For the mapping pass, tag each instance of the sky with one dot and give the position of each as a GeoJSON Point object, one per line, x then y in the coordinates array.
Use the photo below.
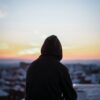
{"type": "Point", "coordinates": [24, 25]}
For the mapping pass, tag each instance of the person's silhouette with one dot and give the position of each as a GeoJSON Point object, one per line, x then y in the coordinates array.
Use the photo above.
{"type": "Point", "coordinates": [47, 78]}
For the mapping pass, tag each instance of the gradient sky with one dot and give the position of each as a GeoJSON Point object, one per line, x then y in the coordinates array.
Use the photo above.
{"type": "Point", "coordinates": [24, 24]}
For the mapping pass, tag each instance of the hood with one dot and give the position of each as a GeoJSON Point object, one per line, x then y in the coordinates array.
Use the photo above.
{"type": "Point", "coordinates": [52, 47]}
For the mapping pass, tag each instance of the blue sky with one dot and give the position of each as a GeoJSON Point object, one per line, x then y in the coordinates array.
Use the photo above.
{"type": "Point", "coordinates": [50, 17]}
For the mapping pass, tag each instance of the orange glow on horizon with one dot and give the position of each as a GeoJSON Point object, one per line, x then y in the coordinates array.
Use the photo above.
{"type": "Point", "coordinates": [89, 52]}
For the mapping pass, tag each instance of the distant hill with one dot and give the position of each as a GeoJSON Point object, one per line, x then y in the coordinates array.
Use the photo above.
{"type": "Point", "coordinates": [81, 62]}
{"type": "Point", "coordinates": [12, 62]}
{"type": "Point", "coordinates": [16, 62]}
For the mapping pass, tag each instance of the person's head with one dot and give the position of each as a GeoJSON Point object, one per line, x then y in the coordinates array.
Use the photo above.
{"type": "Point", "coordinates": [52, 47]}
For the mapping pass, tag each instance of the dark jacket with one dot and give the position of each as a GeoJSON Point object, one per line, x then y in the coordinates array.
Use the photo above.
{"type": "Point", "coordinates": [47, 78]}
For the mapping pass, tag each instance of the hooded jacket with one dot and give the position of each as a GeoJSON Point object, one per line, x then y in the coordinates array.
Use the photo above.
{"type": "Point", "coordinates": [47, 78]}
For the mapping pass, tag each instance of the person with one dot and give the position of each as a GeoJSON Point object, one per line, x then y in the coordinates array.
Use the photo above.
{"type": "Point", "coordinates": [47, 78]}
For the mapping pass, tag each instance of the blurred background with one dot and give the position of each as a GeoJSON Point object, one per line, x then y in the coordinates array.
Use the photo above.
{"type": "Point", "coordinates": [24, 25]}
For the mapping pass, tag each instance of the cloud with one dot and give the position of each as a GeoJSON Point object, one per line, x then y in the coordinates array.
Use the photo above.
{"type": "Point", "coordinates": [29, 51]}
{"type": "Point", "coordinates": [4, 46]}
{"type": "Point", "coordinates": [3, 13]}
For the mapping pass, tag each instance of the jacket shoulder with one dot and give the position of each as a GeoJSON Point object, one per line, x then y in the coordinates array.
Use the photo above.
{"type": "Point", "coordinates": [63, 67]}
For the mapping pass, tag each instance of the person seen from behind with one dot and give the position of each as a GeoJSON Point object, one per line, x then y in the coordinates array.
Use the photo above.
{"type": "Point", "coordinates": [47, 78]}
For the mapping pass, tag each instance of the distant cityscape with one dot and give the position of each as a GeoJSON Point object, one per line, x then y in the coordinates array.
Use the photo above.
{"type": "Point", "coordinates": [84, 73]}
{"type": "Point", "coordinates": [13, 77]}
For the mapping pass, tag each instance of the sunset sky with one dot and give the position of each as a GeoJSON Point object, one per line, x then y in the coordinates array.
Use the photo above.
{"type": "Point", "coordinates": [24, 24]}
